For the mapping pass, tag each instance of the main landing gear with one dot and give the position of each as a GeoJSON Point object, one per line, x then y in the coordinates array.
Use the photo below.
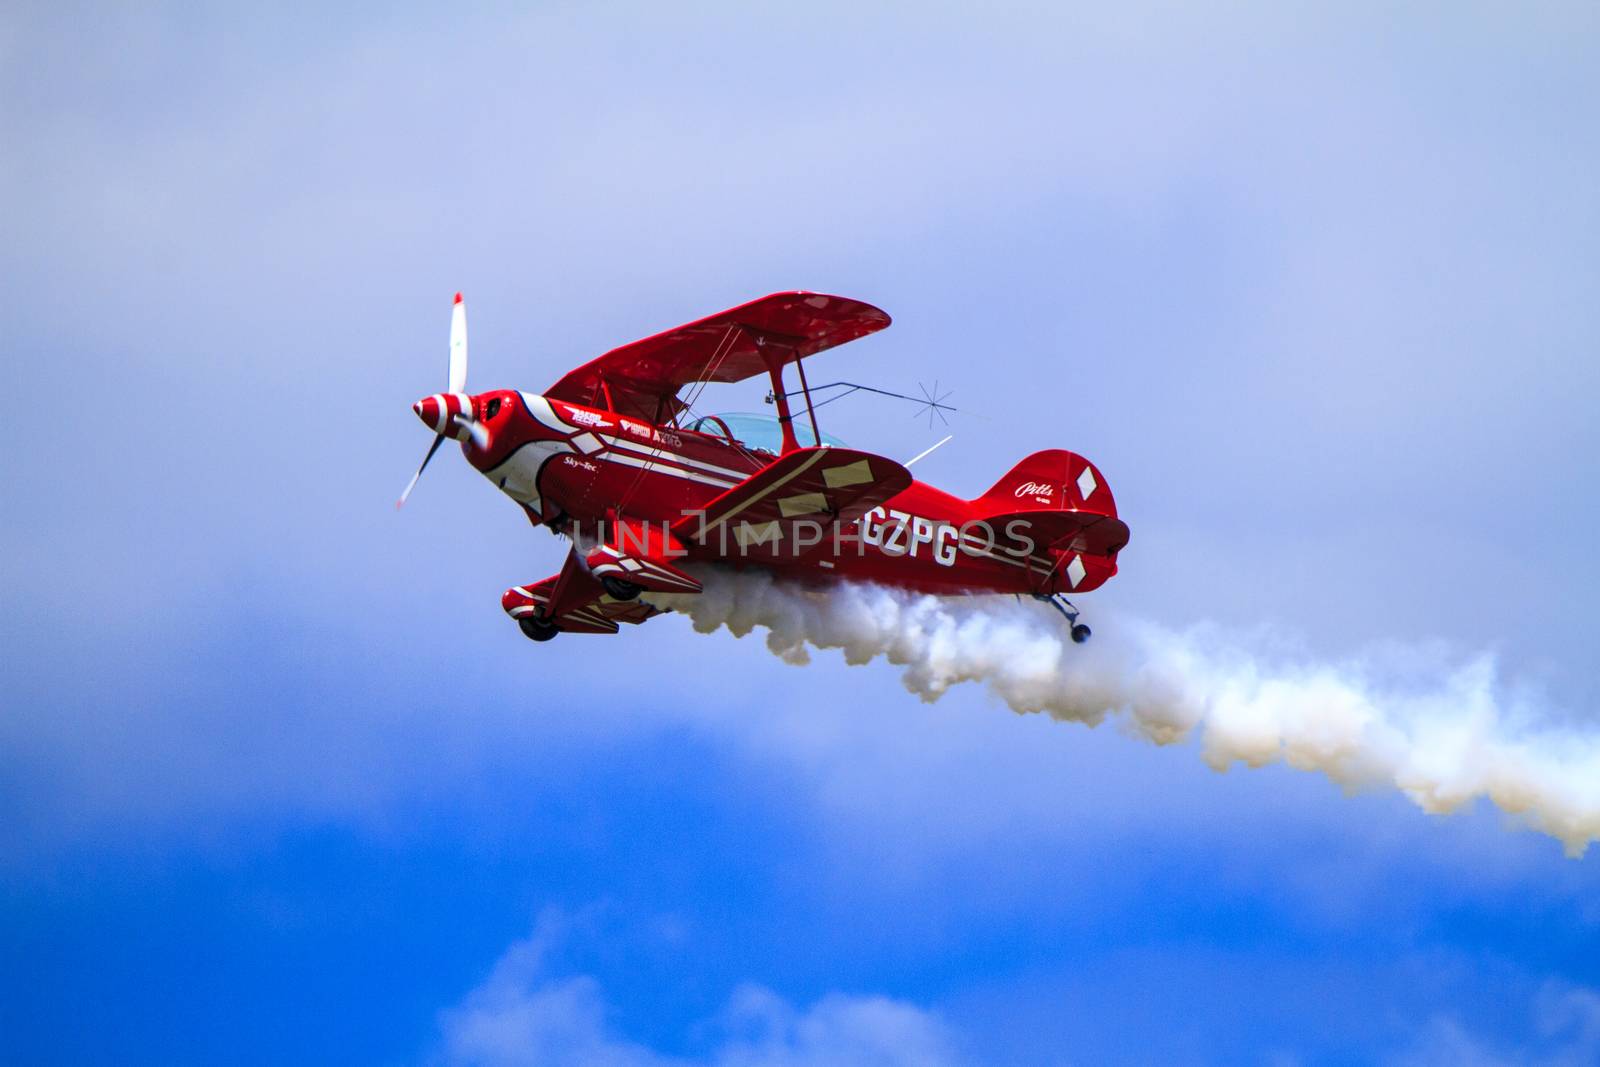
{"type": "Point", "coordinates": [537, 629]}
{"type": "Point", "coordinates": [621, 588]}
{"type": "Point", "coordinates": [1080, 632]}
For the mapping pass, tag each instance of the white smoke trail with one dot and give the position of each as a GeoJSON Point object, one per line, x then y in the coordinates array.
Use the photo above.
{"type": "Point", "coordinates": [1442, 748]}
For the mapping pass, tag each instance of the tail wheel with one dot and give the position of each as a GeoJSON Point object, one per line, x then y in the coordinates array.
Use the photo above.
{"type": "Point", "coordinates": [620, 588]}
{"type": "Point", "coordinates": [1080, 633]}
{"type": "Point", "coordinates": [536, 629]}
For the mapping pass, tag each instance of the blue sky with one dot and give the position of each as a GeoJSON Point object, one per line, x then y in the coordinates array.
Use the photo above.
{"type": "Point", "coordinates": [1313, 285]}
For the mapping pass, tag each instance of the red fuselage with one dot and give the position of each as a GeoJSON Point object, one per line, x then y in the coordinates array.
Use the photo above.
{"type": "Point", "coordinates": [578, 468]}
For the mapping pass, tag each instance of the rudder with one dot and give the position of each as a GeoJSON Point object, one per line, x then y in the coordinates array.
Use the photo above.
{"type": "Point", "coordinates": [1064, 505]}
{"type": "Point", "coordinates": [1051, 480]}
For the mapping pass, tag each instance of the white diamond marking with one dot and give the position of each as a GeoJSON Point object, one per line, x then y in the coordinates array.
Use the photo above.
{"type": "Point", "coordinates": [1086, 483]}
{"type": "Point", "coordinates": [1076, 570]}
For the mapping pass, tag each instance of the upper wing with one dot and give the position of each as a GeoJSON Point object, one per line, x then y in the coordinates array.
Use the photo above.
{"type": "Point", "coordinates": [643, 378]}
{"type": "Point", "coordinates": [813, 486]}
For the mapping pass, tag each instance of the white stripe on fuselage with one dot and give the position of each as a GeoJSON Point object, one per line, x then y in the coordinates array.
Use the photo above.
{"type": "Point", "coordinates": [655, 466]}
{"type": "Point", "coordinates": [518, 475]}
{"type": "Point", "coordinates": [673, 457]}
{"type": "Point", "coordinates": [612, 448]}
{"type": "Point", "coordinates": [545, 413]}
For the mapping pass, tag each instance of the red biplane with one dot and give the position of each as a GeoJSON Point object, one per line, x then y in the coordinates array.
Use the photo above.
{"type": "Point", "coordinates": [613, 458]}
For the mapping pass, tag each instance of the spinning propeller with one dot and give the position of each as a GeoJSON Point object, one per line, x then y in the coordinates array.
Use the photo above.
{"type": "Point", "coordinates": [450, 414]}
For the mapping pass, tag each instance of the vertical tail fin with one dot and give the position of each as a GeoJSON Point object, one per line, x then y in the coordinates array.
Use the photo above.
{"type": "Point", "coordinates": [1059, 502]}
{"type": "Point", "coordinates": [1052, 480]}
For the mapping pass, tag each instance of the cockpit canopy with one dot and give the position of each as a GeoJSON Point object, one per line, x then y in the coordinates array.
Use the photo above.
{"type": "Point", "coordinates": [757, 431]}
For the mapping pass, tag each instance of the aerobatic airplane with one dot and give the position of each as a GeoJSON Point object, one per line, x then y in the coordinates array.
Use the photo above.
{"type": "Point", "coordinates": [614, 458]}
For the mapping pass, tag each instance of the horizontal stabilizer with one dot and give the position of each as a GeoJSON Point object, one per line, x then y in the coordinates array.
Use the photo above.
{"type": "Point", "coordinates": [1062, 531]}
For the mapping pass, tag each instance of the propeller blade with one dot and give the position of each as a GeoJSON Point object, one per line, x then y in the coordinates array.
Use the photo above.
{"type": "Point", "coordinates": [412, 484]}
{"type": "Point", "coordinates": [458, 347]}
{"type": "Point", "coordinates": [479, 432]}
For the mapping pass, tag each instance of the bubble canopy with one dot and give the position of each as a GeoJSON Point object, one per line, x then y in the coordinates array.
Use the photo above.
{"type": "Point", "coordinates": [756, 431]}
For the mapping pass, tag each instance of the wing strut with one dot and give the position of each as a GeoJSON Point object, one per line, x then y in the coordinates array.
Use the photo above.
{"type": "Point", "coordinates": [785, 417]}
{"type": "Point", "coordinates": [811, 409]}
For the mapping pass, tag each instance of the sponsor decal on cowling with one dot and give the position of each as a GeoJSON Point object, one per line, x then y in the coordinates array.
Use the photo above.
{"type": "Point", "coordinates": [589, 418]}
{"type": "Point", "coordinates": [651, 433]}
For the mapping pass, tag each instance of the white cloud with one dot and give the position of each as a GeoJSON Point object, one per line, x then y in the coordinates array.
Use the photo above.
{"type": "Point", "coordinates": [837, 1029]}
{"type": "Point", "coordinates": [1566, 1033]}
{"type": "Point", "coordinates": [523, 1014]}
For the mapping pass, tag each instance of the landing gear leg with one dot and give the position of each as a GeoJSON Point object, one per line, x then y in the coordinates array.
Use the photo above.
{"type": "Point", "coordinates": [1080, 632]}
